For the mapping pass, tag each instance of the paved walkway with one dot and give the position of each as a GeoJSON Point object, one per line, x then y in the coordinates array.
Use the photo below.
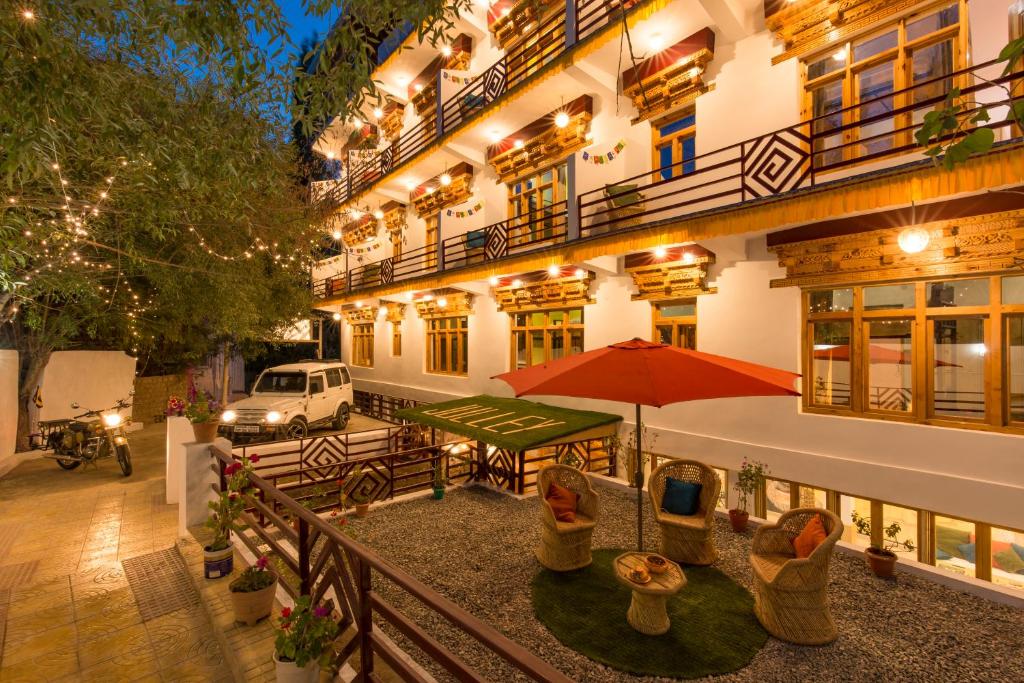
{"type": "Point", "coordinates": [67, 612]}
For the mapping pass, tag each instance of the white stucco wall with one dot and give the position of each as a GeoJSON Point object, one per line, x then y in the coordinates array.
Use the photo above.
{"type": "Point", "coordinates": [8, 402]}
{"type": "Point", "coordinates": [93, 379]}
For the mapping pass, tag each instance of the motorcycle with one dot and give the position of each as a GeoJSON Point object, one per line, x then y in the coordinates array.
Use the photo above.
{"type": "Point", "coordinates": [86, 438]}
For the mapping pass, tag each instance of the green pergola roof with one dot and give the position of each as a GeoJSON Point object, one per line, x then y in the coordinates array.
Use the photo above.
{"type": "Point", "coordinates": [512, 423]}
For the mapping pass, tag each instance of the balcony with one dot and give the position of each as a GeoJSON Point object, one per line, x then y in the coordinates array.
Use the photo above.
{"type": "Point", "coordinates": [824, 151]}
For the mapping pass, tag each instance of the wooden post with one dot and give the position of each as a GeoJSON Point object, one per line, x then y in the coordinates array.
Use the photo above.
{"type": "Point", "coordinates": [303, 557]}
{"type": "Point", "coordinates": [365, 623]}
{"type": "Point", "coordinates": [225, 373]}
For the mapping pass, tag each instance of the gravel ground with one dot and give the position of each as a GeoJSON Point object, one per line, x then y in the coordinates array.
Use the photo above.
{"type": "Point", "coordinates": [476, 548]}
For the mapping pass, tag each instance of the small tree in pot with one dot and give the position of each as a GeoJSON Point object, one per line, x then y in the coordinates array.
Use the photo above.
{"type": "Point", "coordinates": [882, 560]}
{"type": "Point", "coordinates": [202, 412]}
{"type": "Point", "coordinates": [303, 641]}
{"type": "Point", "coordinates": [218, 559]}
{"type": "Point", "coordinates": [252, 593]}
{"type": "Point", "coordinates": [749, 480]}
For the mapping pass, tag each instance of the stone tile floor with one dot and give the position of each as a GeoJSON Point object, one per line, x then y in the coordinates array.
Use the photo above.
{"type": "Point", "coordinates": [66, 610]}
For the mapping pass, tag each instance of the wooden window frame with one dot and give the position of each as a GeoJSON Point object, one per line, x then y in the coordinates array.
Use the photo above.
{"type": "Point", "coordinates": [996, 372]}
{"type": "Point", "coordinates": [396, 245]}
{"type": "Point", "coordinates": [657, 141]}
{"type": "Point", "coordinates": [396, 339]}
{"type": "Point", "coordinates": [432, 230]}
{"type": "Point", "coordinates": [362, 345]}
{"type": "Point", "coordinates": [676, 321]}
{"type": "Point", "coordinates": [520, 229]}
{"type": "Point", "coordinates": [566, 327]}
{"type": "Point", "coordinates": [456, 341]}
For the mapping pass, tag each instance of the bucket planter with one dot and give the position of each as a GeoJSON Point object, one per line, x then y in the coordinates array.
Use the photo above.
{"type": "Point", "coordinates": [252, 593]}
{"type": "Point", "coordinates": [882, 562]}
{"type": "Point", "coordinates": [438, 492]}
{"type": "Point", "coordinates": [362, 509]}
{"type": "Point", "coordinates": [205, 432]}
{"type": "Point", "coordinates": [738, 519]}
{"type": "Point", "coordinates": [218, 563]}
{"type": "Point", "coordinates": [289, 672]}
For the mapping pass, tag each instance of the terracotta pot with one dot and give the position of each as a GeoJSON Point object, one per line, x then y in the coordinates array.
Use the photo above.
{"type": "Point", "coordinates": [252, 606]}
{"type": "Point", "coordinates": [288, 672]}
{"type": "Point", "coordinates": [205, 432]}
{"type": "Point", "coordinates": [738, 519]}
{"type": "Point", "coordinates": [218, 563]}
{"type": "Point", "coordinates": [882, 562]}
{"type": "Point", "coordinates": [362, 509]}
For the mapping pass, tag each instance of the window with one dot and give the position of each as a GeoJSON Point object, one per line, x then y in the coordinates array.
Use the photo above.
{"type": "Point", "coordinates": [848, 505]}
{"type": "Point", "coordinates": [919, 351]}
{"type": "Point", "coordinates": [396, 244]}
{"type": "Point", "coordinates": [433, 222]}
{"type": "Point", "coordinates": [532, 206]}
{"type": "Point", "coordinates": [396, 339]}
{"type": "Point", "coordinates": [907, 520]}
{"type": "Point", "coordinates": [1008, 557]}
{"type": "Point", "coordinates": [675, 323]}
{"type": "Point", "coordinates": [723, 495]}
{"type": "Point", "coordinates": [316, 384]}
{"type": "Point", "coordinates": [362, 344]}
{"type": "Point", "coordinates": [540, 336]}
{"type": "Point", "coordinates": [955, 545]}
{"type": "Point", "coordinates": [915, 52]}
{"type": "Point", "coordinates": [675, 146]}
{"type": "Point", "coordinates": [448, 345]}
{"type": "Point", "coordinates": [333, 377]}
{"type": "Point", "coordinates": [345, 378]}
{"type": "Point", "coordinates": [778, 498]}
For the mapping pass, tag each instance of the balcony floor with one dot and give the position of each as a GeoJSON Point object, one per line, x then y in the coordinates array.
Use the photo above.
{"type": "Point", "coordinates": [476, 548]}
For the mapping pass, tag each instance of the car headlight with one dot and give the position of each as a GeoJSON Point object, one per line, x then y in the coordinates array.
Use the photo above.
{"type": "Point", "coordinates": [273, 416]}
{"type": "Point", "coordinates": [112, 420]}
{"type": "Point", "coordinates": [228, 416]}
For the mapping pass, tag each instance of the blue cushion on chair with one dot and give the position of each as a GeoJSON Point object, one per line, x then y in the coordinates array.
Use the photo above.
{"type": "Point", "coordinates": [1019, 549]}
{"type": "Point", "coordinates": [681, 497]}
{"type": "Point", "coordinates": [969, 551]}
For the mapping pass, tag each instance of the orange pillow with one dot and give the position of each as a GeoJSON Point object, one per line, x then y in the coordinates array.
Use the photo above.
{"type": "Point", "coordinates": [562, 502]}
{"type": "Point", "coordinates": [810, 538]}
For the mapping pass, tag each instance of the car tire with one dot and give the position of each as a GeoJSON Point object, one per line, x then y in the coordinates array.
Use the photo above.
{"type": "Point", "coordinates": [296, 429]}
{"type": "Point", "coordinates": [341, 417]}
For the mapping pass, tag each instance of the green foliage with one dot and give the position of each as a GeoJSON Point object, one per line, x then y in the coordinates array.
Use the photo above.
{"type": "Point", "coordinates": [956, 132]}
{"type": "Point", "coordinates": [305, 633]}
{"type": "Point", "coordinates": [890, 534]}
{"type": "Point", "coordinates": [200, 410]}
{"type": "Point", "coordinates": [230, 503]}
{"type": "Point", "coordinates": [254, 578]}
{"type": "Point", "coordinates": [749, 480]}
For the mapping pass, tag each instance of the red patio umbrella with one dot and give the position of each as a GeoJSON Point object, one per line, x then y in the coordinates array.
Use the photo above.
{"type": "Point", "coordinates": [648, 374]}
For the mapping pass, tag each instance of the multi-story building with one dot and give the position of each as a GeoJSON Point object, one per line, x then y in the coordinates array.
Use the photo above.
{"type": "Point", "coordinates": [732, 176]}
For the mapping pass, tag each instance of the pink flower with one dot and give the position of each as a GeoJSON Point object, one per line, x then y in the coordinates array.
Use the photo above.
{"type": "Point", "coordinates": [321, 612]}
{"type": "Point", "coordinates": [262, 562]}
{"type": "Point", "coordinates": [233, 495]}
{"type": "Point", "coordinates": [255, 457]}
{"type": "Point", "coordinates": [286, 612]}
{"type": "Point", "coordinates": [343, 521]}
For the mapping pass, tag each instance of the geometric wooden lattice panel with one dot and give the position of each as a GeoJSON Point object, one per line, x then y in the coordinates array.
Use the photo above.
{"type": "Point", "coordinates": [776, 163]}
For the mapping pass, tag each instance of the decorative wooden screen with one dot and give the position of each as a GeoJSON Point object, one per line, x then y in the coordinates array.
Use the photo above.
{"type": "Point", "coordinates": [980, 244]}
{"type": "Point", "coordinates": [671, 79]}
{"type": "Point", "coordinates": [423, 89]}
{"type": "Point", "coordinates": [539, 290]}
{"type": "Point", "coordinates": [456, 303]}
{"type": "Point", "coordinates": [808, 25]}
{"type": "Point", "coordinates": [682, 272]}
{"type": "Point", "coordinates": [391, 123]}
{"type": "Point", "coordinates": [520, 20]}
{"type": "Point", "coordinates": [358, 230]}
{"type": "Point", "coordinates": [396, 312]}
{"type": "Point", "coordinates": [543, 143]}
{"type": "Point", "coordinates": [431, 196]}
{"type": "Point", "coordinates": [361, 314]}
{"type": "Point", "coordinates": [394, 217]}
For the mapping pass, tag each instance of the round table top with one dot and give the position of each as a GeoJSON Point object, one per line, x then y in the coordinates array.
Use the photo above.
{"type": "Point", "coordinates": [666, 583]}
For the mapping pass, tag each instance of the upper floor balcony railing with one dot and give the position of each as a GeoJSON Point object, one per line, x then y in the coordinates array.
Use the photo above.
{"type": "Point", "coordinates": [843, 144]}
{"type": "Point", "coordinates": [554, 35]}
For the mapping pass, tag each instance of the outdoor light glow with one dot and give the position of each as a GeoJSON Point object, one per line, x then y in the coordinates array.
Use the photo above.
{"type": "Point", "coordinates": [493, 281]}
{"type": "Point", "coordinates": [112, 420]}
{"type": "Point", "coordinates": [840, 56]}
{"type": "Point", "coordinates": [428, 297]}
{"type": "Point", "coordinates": [561, 119]}
{"type": "Point", "coordinates": [378, 112]}
{"type": "Point", "coordinates": [494, 136]}
{"type": "Point", "coordinates": [273, 416]}
{"type": "Point", "coordinates": [418, 87]}
{"type": "Point", "coordinates": [445, 179]}
{"type": "Point", "coordinates": [655, 41]}
{"type": "Point", "coordinates": [980, 349]}
{"type": "Point", "coordinates": [913, 240]}
{"type": "Point", "coordinates": [688, 257]}
{"type": "Point", "coordinates": [378, 214]}
{"type": "Point", "coordinates": [409, 296]}
{"type": "Point", "coordinates": [518, 144]}
{"type": "Point", "coordinates": [359, 304]}
{"type": "Point", "coordinates": [382, 311]}
{"type": "Point", "coordinates": [554, 270]}
{"type": "Point", "coordinates": [442, 302]}
{"type": "Point", "coordinates": [336, 234]}
{"type": "Point", "coordinates": [580, 273]}
{"type": "Point", "coordinates": [228, 416]}
{"type": "Point", "coordinates": [330, 154]}
{"type": "Point", "coordinates": [410, 185]}
{"type": "Point", "coordinates": [28, 15]}
{"type": "Point", "coordinates": [401, 79]}
{"type": "Point", "coordinates": [336, 316]}
{"type": "Point", "coordinates": [517, 283]}
{"type": "Point", "coordinates": [429, 190]}
{"type": "Point", "coordinates": [357, 122]}
{"type": "Point", "coordinates": [446, 51]}
{"type": "Point", "coordinates": [660, 252]}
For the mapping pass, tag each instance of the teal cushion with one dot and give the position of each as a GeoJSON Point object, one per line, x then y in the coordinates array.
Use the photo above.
{"type": "Point", "coordinates": [627, 195]}
{"type": "Point", "coordinates": [968, 551]}
{"type": "Point", "coordinates": [1019, 549]}
{"type": "Point", "coordinates": [476, 239]}
{"type": "Point", "coordinates": [681, 497]}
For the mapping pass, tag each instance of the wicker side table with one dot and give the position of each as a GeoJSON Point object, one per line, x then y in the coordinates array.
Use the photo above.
{"type": "Point", "coordinates": [647, 613]}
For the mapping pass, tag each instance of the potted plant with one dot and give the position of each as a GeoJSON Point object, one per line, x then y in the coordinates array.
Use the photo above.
{"type": "Point", "coordinates": [882, 560]}
{"type": "Point", "coordinates": [359, 497]}
{"type": "Point", "coordinates": [303, 641]}
{"type": "Point", "coordinates": [218, 556]}
{"type": "Point", "coordinates": [750, 479]}
{"type": "Point", "coordinates": [202, 413]}
{"type": "Point", "coordinates": [252, 593]}
{"type": "Point", "coordinates": [440, 479]}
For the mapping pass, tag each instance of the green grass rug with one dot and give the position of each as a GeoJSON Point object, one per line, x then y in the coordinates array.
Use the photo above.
{"type": "Point", "coordinates": [714, 630]}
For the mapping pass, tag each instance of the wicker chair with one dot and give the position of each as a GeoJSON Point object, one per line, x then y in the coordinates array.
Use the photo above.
{"type": "Point", "coordinates": [790, 596]}
{"type": "Point", "coordinates": [687, 539]}
{"type": "Point", "coordinates": [566, 545]}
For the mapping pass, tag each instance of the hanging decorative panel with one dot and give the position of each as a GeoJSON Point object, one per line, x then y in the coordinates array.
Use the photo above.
{"type": "Point", "coordinates": [681, 272]}
{"type": "Point", "coordinates": [431, 196]}
{"type": "Point", "coordinates": [444, 303]}
{"type": "Point", "coordinates": [391, 123]}
{"type": "Point", "coordinates": [540, 290]}
{"type": "Point", "coordinates": [510, 21]}
{"type": "Point", "coordinates": [422, 90]}
{"type": "Point", "coordinates": [394, 217]}
{"type": "Point", "coordinates": [671, 79]}
{"type": "Point", "coordinates": [396, 312]}
{"type": "Point", "coordinates": [362, 314]}
{"type": "Point", "coordinates": [543, 143]}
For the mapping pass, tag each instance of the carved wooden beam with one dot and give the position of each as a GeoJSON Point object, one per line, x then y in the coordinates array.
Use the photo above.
{"type": "Point", "coordinates": [540, 291]}
{"type": "Point", "coordinates": [391, 123]}
{"type": "Point", "coordinates": [671, 79]}
{"type": "Point", "coordinates": [431, 196]}
{"type": "Point", "coordinates": [361, 314]}
{"type": "Point", "coordinates": [510, 21]}
{"type": "Point", "coordinates": [542, 143]}
{"type": "Point", "coordinates": [423, 89]}
{"type": "Point", "coordinates": [681, 272]}
{"type": "Point", "coordinates": [394, 216]}
{"type": "Point", "coordinates": [444, 303]}
{"type": "Point", "coordinates": [977, 245]}
{"type": "Point", "coordinates": [396, 312]}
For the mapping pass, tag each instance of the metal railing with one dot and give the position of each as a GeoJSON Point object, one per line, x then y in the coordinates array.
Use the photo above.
{"type": "Point", "coordinates": [323, 562]}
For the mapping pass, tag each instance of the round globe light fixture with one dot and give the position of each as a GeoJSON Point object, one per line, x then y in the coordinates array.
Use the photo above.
{"type": "Point", "coordinates": [913, 240]}
{"type": "Point", "coordinates": [561, 119]}
{"type": "Point", "coordinates": [445, 179]}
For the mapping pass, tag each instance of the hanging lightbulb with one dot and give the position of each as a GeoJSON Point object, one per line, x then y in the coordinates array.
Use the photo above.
{"type": "Point", "coordinates": [554, 270]}
{"type": "Point", "coordinates": [336, 316]}
{"type": "Point", "coordinates": [336, 235]}
{"type": "Point", "coordinates": [561, 119]}
{"type": "Point", "coordinates": [913, 239]}
{"type": "Point", "coordinates": [518, 144]}
{"type": "Point", "coordinates": [378, 214]}
{"type": "Point", "coordinates": [517, 283]}
{"type": "Point", "coordinates": [442, 302]}
{"type": "Point", "coordinates": [446, 50]}
{"type": "Point", "coordinates": [660, 252]}
{"type": "Point", "coordinates": [688, 258]}
{"type": "Point", "coordinates": [493, 281]}
{"type": "Point", "coordinates": [378, 112]}
{"type": "Point", "coordinates": [580, 273]}
{"type": "Point", "coordinates": [330, 154]}
{"type": "Point", "coordinates": [445, 179]}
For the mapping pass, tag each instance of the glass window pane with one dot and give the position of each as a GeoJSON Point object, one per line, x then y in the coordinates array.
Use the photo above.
{"type": "Point", "coordinates": [723, 476]}
{"type": "Point", "coordinates": [1008, 557]}
{"type": "Point", "coordinates": [957, 293]}
{"type": "Point", "coordinates": [556, 317]}
{"type": "Point", "coordinates": [522, 360]}
{"type": "Point", "coordinates": [520, 319]}
{"type": "Point", "coordinates": [687, 336]}
{"type": "Point", "coordinates": [1015, 364]}
{"type": "Point", "coordinates": [1013, 289]}
{"type": "Point", "coordinates": [847, 506]}
{"type": "Point", "coordinates": [536, 347]}
{"type": "Point", "coordinates": [874, 46]}
{"type": "Point", "coordinates": [557, 341]}
{"type": "Point", "coordinates": [933, 22]}
{"type": "Point", "coordinates": [831, 363]}
{"type": "Point", "coordinates": [960, 367]}
{"type": "Point", "coordinates": [576, 316]}
{"type": "Point", "coordinates": [927, 65]}
{"type": "Point", "coordinates": [955, 545]}
{"type": "Point", "coordinates": [825, 65]}
{"type": "Point", "coordinates": [903, 523]}
{"type": "Point", "coordinates": [777, 498]}
{"type": "Point", "coordinates": [811, 497]}
{"type": "Point", "coordinates": [826, 103]}
{"type": "Point", "coordinates": [875, 86]}
{"type": "Point", "coordinates": [575, 341]}
{"type": "Point", "coordinates": [831, 301]}
{"type": "Point", "coordinates": [537, 319]}
{"type": "Point", "coordinates": [677, 310]}
{"type": "Point", "coordinates": [664, 334]}
{"type": "Point", "coordinates": [888, 296]}
{"type": "Point", "coordinates": [890, 365]}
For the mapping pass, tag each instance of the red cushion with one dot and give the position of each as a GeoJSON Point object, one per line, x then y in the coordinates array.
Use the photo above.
{"type": "Point", "coordinates": [810, 538]}
{"type": "Point", "coordinates": [562, 502]}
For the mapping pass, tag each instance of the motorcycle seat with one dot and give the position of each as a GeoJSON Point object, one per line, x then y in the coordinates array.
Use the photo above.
{"type": "Point", "coordinates": [80, 426]}
{"type": "Point", "coordinates": [55, 423]}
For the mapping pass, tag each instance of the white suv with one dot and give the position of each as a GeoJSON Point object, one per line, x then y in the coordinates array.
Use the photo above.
{"type": "Point", "coordinates": [289, 399]}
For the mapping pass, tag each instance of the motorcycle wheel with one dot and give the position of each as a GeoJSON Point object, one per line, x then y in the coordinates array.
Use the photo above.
{"type": "Point", "coordinates": [68, 464]}
{"type": "Point", "coordinates": [124, 459]}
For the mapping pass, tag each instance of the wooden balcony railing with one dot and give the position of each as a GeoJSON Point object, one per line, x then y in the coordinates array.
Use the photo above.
{"type": "Point", "coordinates": [824, 150]}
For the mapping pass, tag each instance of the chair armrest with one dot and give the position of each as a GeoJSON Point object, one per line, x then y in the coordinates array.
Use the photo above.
{"type": "Point", "coordinates": [770, 539]}
{"type": "Point", "coordinates": [546, 513]}
{"type": "Point", "coordinates": [589, 504]}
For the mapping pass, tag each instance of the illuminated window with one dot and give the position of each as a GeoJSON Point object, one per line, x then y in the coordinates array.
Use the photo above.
{"type": "Point", "coordinates": [433, 223]}
{"type": "Point", "coordinates": [362, 345]}
{"type": "Point", "coordinates": [1008, 557]}
{"type": "Point", "coordinates": [675, 323]}
{"type": "Point", "coordinates": [848, 506]}
{"type": "Point", "coordinates": [448, 345]}
{"type": "Point", "coordinates": [955, 544]}
{"type": "Point", "coordinates": [540, 336]}
{"type": "Point", "coordinates": [675, 146]}
{"type": "Point", "coordinates": [396, 339]}
{"type": "Point", "coordinates": [533, 203]}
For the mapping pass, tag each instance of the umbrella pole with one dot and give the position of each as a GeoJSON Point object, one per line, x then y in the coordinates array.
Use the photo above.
{"type": "Point", "coordinates": [639, 478]}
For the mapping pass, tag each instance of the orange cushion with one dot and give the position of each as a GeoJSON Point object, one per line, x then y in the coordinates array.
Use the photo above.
{"type": "Point", "coordinates": [810, 538]}
{"type": "Point", "coordinates": [562, 502]}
